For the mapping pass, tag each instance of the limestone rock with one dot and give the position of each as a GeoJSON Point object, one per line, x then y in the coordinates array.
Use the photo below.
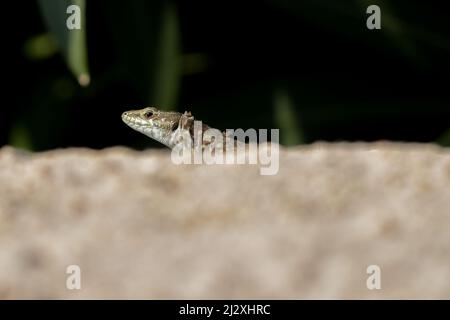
{"type": "Point", "coordinates": [139, 226]}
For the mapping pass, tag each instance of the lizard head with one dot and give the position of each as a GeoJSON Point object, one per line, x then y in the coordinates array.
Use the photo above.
{"type": "Point", "coordinates": [152, 122]}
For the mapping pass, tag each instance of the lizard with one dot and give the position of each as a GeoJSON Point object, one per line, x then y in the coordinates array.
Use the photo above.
{"type": "Point", "coordinates": [168, 127]}
{"type": "Point", "coordinates": [173, 129]}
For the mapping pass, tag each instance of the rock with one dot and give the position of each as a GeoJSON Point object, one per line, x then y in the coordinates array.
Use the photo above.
{"type": "Point", "coordinates": [139, 226]}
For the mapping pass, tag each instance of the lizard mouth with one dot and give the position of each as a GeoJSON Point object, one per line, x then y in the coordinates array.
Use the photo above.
{"type": "Point", "coordinates": [133, 120]}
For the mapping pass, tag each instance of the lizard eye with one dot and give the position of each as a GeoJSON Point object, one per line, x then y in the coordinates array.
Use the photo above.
{"type": "Point", "coordinates": [148, 114]}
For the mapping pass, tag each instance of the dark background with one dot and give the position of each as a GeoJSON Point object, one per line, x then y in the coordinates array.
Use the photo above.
{"type": "Point", "coordinates": [310, 68]}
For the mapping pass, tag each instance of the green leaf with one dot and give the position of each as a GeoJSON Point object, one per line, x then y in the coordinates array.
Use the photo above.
{"type": "Point", "coordinates": [20, 137]}
{"type": "Point", "coordinates": [167, 72]}
{"type": "Point", "coordinates": [146, 37]}
{"type": "Point", "coordinates": [286, 119]}
{"type": "Point", "coordinates": [72, 43]}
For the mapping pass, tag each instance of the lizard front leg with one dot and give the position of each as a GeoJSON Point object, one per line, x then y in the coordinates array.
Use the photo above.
{"type": "Point", "coordinates": [183, 128]}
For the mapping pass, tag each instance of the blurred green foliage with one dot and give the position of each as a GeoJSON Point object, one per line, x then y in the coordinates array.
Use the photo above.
{"type": "Point", "coordinates": [310, 68]}
{"type": "Point", "coordinates": [286, 118]}
{"type": "Point", "coordinates": [41, 46]}
{"type": "Point", "coordinates": [147, 39]}
{"type": "Point", "coordinates": [72, 43]}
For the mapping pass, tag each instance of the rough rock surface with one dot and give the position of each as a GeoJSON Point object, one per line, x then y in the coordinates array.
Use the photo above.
{"type": "Point", "coordinates": [141, 227]}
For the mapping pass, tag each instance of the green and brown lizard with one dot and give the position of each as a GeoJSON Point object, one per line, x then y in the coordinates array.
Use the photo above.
{"type": "Point", "coordinates": [169, 127]}
{"type": "Point", "coordinates": [180, 132]}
